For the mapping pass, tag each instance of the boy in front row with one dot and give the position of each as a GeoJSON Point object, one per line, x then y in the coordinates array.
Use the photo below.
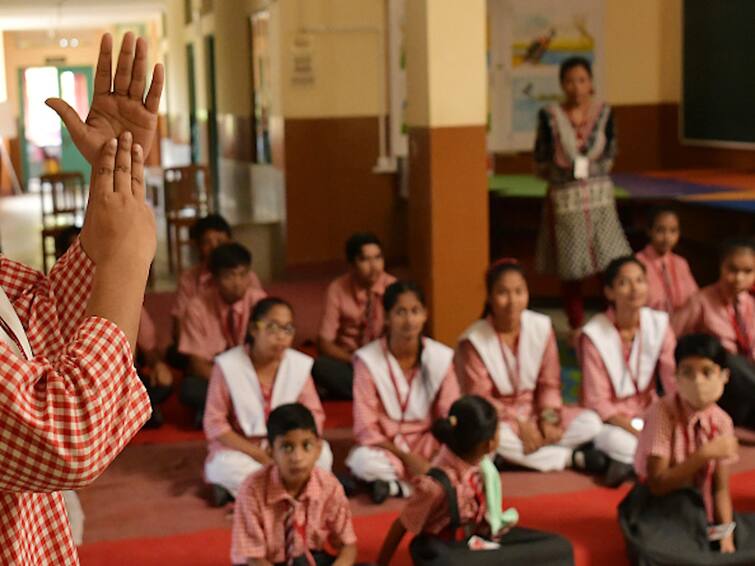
{"type": "Point", "coordinates": [680, 511]}
{"type": "Point", "coordinates": [291, 512]}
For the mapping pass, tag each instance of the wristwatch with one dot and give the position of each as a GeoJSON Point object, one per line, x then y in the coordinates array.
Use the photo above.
{"type": "Point", "coordinates": [550, 416]}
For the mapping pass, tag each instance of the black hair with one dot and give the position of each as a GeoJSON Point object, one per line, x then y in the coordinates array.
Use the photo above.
{"type": "Point", "coordinates": [703, 346]}
{"type": "Point", "coordinates": [229, 256]}
{"type": "Point", "coordinates": [658, 211]}
{"type": "Point", "coordinates": [64, 239]}
{"type": "Point", "coordinates": [285, 418]}
{"type": "Point", "coordinates": [263, 307]}
{"type": "Point", "coordinates": [493, 274]}
{"type": "Point", "coordinates": [471, 421]}
{"type": "Point", "coordinates": [211, 222]}
{"type": "Point", "coordinates": [571, 63]}
{"type": "Point", "coordinates": [357, 241]}
{"type": "Point", "coordinates": [398, 288]}
{"type": "Point", "coordinates": [734, 245]}
{"type": "Point", "coordinates": [612, 271]}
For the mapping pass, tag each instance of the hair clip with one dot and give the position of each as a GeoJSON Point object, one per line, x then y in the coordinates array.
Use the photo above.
{"type": "Point", "coordinates": [453, 420]}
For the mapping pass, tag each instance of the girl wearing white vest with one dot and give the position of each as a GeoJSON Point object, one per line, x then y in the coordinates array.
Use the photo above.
{"type": "Point", "coordinates": [510, 358]}
{"type": "Point", "coordinates": [247, 383]}
{"type": "Point", "coordinates": [623, 351]}
{"type": "Point", "coordinates": [402, 383]}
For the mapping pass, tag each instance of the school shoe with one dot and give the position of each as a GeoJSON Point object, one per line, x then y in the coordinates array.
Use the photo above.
{"type": "Point", "coordinates": [379, 491]}
{"type": "Point", "coordinates": [219, 496]}
{"type": "Point", "coordinates": [586, 458]}
{"type": "Point", "coordinates": [349, 484]}
{"type": "Point", "coordinates": [617, 473]}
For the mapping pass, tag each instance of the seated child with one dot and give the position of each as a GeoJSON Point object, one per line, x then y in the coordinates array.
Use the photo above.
{"type": "Point", "coordinates": [670, 281]}
{"type": "Point", "coordinates": [290, 511]}
{"type": "Point", "coordinates": [401, 383]}
{"type": "Point", "coordinates": [726, 310]}
{"type": "Point", "coordinates": [680, 511]}
{"type": "Point", "coordinates": [510, 358]}
{"type": "Point", "coordinates": [155, 374]}
{"type": "Point", "coordinates": [216, 319]}
{"type": "Point", "coordinates": [621, 352]}
{"type": "Point", "coordinates": [353, 314]}
{"type": "Point", "coordinates": [456, 510]}
{"type": "Point", "coordinates": [247, 383]}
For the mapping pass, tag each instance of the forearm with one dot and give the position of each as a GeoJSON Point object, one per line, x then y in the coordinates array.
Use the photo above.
{"type": "Point", "coordinates": [235, 441]}
{"type": "Point", "coordinates": [347, 556]}
{"type": "Point", "coordinates": [723, 511]}
{"type": "Point", "coordinates": [623, 421]}
{"type": "Point", "coordinates": [392, 540]}
{"type": "Point", "coordinates": [672, 478]}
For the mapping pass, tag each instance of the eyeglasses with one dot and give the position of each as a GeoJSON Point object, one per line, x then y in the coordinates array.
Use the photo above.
{"type": "Point", "coordinates": [272, 327]}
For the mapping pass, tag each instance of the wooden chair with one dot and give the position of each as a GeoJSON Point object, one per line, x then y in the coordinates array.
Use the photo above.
{"type": "Point", "coordinates": [188, 197]}
{"type": "Point", "coordinates": [63, 205]}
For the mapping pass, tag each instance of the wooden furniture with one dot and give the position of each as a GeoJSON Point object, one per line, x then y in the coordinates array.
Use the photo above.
{"type": "Point", "coordinates": [63, 205]}
{"type": "Point", "coordinates": [188, 197]}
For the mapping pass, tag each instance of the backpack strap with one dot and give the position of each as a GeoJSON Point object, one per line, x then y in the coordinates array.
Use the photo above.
{"type": "Point", "coordinates": [453, 504]}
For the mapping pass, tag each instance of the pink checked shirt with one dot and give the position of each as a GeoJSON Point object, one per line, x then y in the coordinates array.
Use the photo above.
{"type": "Point", "coordinates": [597, 390]}
{"type": "Point", "coordinates": [66, 413]}
{"type": "Point", "coordinates": [195, 280]}
{"type": "Point", "coordinates": [205, 332]}
{"type": "Point", "coordinates": [670, 433]}
{"type": "Point", "coordinates": [220, 417]}
{"type": "Point", "coordinates": [670, 281]}
{"type": "Point", "coordinates": [475, 380]}
{"type": "Point", "coordinates": [426, 511]}
{"type": "Point", "coordinates": [346, 320]}
{"type": "Point", "coordinates": [707, 311]}
{"type": "Point", "coordinates": [321, 511]}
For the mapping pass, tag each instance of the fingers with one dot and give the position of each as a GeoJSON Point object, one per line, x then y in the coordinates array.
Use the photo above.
{"type": "Point", "coordinates": [103, 77]}
{"type": "Point", "coordinates": [102, 178]}
{"type": "Point", "coordinates": [139, 72]}
{"type": "Point", "coordinates": [155, 90]}
{"type": "Point", "coordinates": [122, 175]}
{"type": "Point", "coordinates": [125, 62]}
{"type": "Point", "coordinates": [137, 172]}
{"type": "Point", "coordinates": [70, 118]}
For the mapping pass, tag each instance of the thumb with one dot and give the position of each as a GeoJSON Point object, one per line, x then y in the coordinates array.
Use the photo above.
{"type": "Point", "coordinates": [70, 118]}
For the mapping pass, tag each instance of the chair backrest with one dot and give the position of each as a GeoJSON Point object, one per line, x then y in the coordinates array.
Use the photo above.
{"type": "Point", "coordinates": [63, 198]}
{"type": "Point", "coordinates": [188, 189]}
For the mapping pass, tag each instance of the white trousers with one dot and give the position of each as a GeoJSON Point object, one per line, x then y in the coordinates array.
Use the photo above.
{"type": "Point", "coordinates": [75, 515]}
{"type": "Point", "coordinates": [617, 443]}
{"type": "Point", "coordinates": [370, 464]}
{"type": "Point", "coordinates": [230, 468]}
{"type": "Point", "coordinates": [554, 457]}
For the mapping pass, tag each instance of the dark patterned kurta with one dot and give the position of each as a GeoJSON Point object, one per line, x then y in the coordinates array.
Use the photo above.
{"type": "Point", "coordinates": [580, 231]}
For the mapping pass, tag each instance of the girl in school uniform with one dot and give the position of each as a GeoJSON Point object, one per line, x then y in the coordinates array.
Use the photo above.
{"type": "Point", "coordinates": [670, 281]}
{"type": "Point", "coordinates": [510, 358]}
{"type": "Point", "coordinates": [622, 352]}
{"type": "Point", "coordinates": [247, 383]}
{"type": "Point", "coordinates": [456, 510]}
{"type": "Point", "coordinates": [402, 382]}
{"type": "Point", "coordinates": [726, 310]}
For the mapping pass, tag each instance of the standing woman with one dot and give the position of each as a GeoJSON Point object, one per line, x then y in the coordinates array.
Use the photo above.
{"type": "Point", "coordinates": [576, 143]}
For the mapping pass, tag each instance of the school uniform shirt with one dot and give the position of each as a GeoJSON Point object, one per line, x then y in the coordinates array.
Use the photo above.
{"type": "Point", "coordinates": [70, 399]}
{"type": "Point", "coordinates": [708, 311]}
{"type": "Point", "coordinates": [525, 403]}
{"type": "Point", "coordinates": [674, 431]}
{"type": "Point", "coordinates": [598, 390]}
{"type": "Point", "coordinates": [205, 331]}
{"type": "Point", "coordinates": [670, 281]}
{"type": "Point", "coordinates": [322, 515]}
{"type": "Point", "coordinates": [353, 315]}
{"type": "Point", "coordinates": [427, 511]}
{"type": "Point", "coordinates": [195, 280]}
{"type": "Point", "coordinates": [220, 414]}
{"type": "Point", "coordinates": [373, 425]}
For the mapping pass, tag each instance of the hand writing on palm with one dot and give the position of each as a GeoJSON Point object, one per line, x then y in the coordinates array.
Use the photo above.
{"type": "Point", "coordinates": [122, 109]}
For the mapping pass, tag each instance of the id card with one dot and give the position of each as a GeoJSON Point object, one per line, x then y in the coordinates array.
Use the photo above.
{"type": "Point", "coordinates": [581, 167]}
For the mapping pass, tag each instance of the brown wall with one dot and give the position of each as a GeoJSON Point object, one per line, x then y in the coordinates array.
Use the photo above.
{"type": "Point", "coordinates": [331, 191]}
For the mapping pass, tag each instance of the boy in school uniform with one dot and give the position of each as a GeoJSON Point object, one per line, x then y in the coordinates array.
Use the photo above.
{"type": "Point", "coordinates": [292, 512]}
{"type": "Point", "coordinates": [353, 314]}
{"type": "Point", "coordinates": [216, 319]}
{"type": "Point", "coordinates": [726, 310]}
{"type": "Point", "coordinates": [670, 281]}
{"type": "Point", "coordinates": [680, 511]}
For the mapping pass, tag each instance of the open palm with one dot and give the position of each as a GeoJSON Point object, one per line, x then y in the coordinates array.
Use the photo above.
{"type": "Point", "coordinates": [123, 108]}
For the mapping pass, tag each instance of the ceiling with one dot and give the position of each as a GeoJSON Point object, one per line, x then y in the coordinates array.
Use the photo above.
{"type": "Point", "coordinates": [58, 14]}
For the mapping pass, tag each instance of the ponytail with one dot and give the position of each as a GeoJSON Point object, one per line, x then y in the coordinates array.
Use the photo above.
{"type": "Point", "coordinates": [471, 421]}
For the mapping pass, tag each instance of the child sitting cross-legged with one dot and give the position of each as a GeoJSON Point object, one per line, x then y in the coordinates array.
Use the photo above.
{"type": "Point", "coordinates": [680, 511]}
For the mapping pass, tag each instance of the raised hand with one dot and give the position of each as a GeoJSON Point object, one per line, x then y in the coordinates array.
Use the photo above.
{"type": "Point", "coordinates": [121, 109]}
